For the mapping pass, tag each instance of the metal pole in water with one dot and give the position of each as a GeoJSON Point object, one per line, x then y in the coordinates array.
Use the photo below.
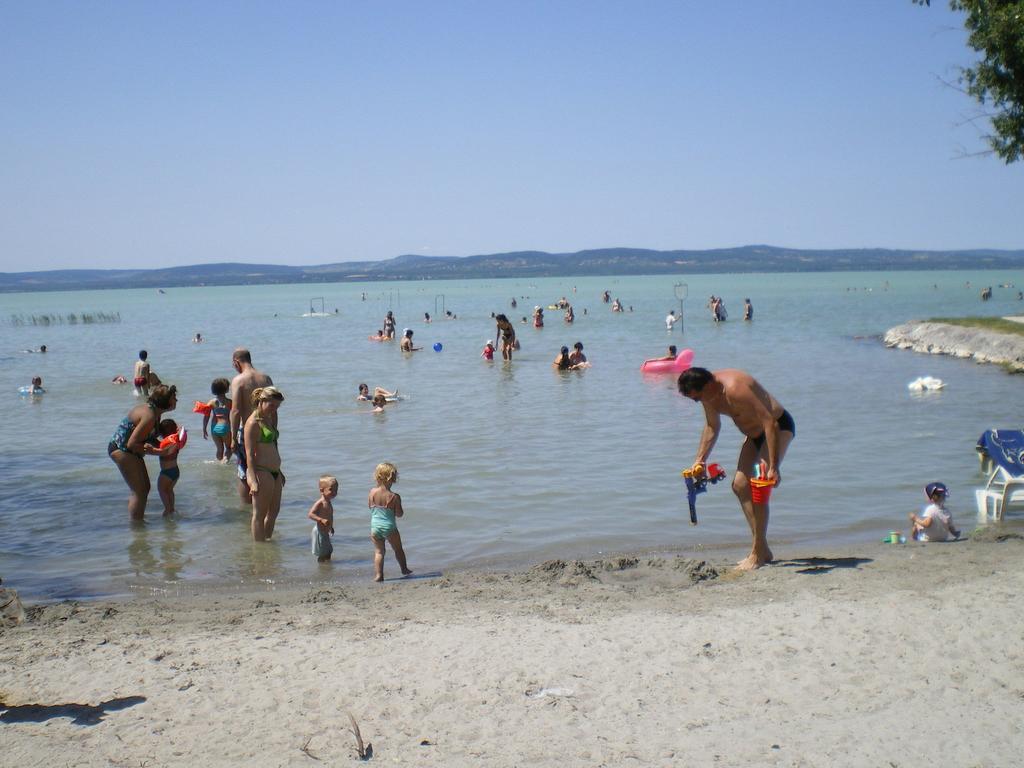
{"type": "Point", "coordinates": [681, 290]}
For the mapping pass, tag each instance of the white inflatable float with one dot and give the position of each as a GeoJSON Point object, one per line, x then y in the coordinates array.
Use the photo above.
{"type": "Point", "coordinates": [925, 384]}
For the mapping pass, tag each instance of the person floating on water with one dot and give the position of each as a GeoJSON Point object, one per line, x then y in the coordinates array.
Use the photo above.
{"type": "Point", "coordinates": [364, 393]}
{"type": "Point", "coordinates": [769, 429]}
{"type": "Point", "coordinates": [35, 388]}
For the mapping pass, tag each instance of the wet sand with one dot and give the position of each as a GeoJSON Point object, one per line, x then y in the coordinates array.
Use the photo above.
{"type": "Point", "coordinates": [883, 655]}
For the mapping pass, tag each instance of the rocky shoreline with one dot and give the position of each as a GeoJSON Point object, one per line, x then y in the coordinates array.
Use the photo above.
{"type": "Point", "coordinates": [980, 345]}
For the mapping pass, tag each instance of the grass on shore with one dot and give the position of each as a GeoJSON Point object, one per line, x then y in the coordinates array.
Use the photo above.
{"type": "Point", "coordinates": [997, 324]}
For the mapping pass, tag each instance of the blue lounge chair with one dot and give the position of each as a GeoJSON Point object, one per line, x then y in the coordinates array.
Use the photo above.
{"type": "Point", "coordinates": [1002, 455]}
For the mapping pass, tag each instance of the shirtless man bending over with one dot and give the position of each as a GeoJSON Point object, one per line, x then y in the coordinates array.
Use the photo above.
{"type": "Point", "coordinates": [769, 429]}
{"type": "Point", "coordinates": [242, 387]}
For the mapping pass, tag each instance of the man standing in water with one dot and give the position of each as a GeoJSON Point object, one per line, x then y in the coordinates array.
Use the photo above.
{"type": "Point", "coordinates": [242, 386]}
{"type": "Point", "coordinates": [769, 429]}
{"type": "Point", "coordinates": [141, 380]}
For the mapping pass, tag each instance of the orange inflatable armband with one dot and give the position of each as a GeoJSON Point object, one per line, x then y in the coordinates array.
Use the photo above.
{"type": "Point", "coordinates": [179, 439]}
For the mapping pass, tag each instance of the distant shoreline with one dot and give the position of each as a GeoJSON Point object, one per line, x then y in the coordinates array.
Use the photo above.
{"type": "Point", "coordinates": [607, 262]}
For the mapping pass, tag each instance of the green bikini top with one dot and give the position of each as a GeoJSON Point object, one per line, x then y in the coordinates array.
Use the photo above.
{"type": "Point", "coordinates": [267, 434]}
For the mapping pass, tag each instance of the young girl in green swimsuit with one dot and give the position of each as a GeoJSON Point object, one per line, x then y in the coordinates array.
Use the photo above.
{"type": "Point", "coordinates": [385, 505]}
{"type": "Point", "coordinates": [263, 473]}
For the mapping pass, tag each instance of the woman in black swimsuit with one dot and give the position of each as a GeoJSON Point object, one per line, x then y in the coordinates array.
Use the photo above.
{"type": "Point", "coordinates": [508, 336]}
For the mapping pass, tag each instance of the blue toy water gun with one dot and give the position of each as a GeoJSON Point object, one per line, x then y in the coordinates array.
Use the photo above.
{"type": "Point", "coordinates": [697, 478]}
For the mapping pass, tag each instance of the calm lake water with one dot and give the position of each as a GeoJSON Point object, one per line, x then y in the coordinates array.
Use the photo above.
{"type": "Point", "coordinates": [500, 464]}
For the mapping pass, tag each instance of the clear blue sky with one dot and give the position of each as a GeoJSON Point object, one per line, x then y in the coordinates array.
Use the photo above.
{"type": "Point", "coordinates": [156, 134]}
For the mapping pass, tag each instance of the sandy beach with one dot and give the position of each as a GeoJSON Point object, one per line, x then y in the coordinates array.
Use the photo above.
{"type": "Point", "coordinates": [906, 655]}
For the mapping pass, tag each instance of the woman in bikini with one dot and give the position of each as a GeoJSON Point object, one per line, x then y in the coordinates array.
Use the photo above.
{"type": "Point", "coordinates": [264, 475]}
{"type": "Point", "coordinates": [508, 336]}
{"type": "Point", "coordinates": [136, 436]}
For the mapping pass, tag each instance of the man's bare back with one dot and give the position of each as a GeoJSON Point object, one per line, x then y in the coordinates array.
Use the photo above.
{"type": "Point", "coordinates": [242, 387]}
{"type": "Point", "coordinates": [744, 400]}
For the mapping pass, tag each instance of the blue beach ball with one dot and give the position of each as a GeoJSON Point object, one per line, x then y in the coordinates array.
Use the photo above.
{"type": "Point", "coordinates": [437, 346]}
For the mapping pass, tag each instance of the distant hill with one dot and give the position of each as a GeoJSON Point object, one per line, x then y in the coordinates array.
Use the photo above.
{"type": "Point", "coordinates": [605, 261]}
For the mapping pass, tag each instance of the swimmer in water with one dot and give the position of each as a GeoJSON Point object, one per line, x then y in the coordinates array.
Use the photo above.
{"type": "Point", "coordinates": [365, 396]}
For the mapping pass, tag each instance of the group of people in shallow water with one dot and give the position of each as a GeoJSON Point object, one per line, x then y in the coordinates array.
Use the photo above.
{"type": "Point", "coordinates": [719, 314]}
{"type": "Point", "coordinates": [242, 419]}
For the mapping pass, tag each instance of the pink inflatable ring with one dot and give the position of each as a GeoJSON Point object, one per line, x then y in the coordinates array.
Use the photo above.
{"type": "Point", "coordinates": [659, 365]}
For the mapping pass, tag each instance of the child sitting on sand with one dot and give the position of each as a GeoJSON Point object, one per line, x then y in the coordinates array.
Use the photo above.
{"type": "Point", "coordinates": [169, 472]}
{"type": "Point", "coordinates": [385, 505]}
{"type": "Point", "coordinates": [322, 513]}
{"type": "Point", "coordinates": [935, 523]}
{"type": "Point", "coordinates": [220, 412]}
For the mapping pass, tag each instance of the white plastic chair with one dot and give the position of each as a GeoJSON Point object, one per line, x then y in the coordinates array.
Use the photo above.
{"type": "Point", "coordinates": [1001, 452]}
{"type": "Point", "coordinates": [1001, 491]}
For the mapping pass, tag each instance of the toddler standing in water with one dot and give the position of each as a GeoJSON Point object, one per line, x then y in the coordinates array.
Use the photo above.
{"type": "Point", "coordinates": [322, 513]}
{"type": "Point", "coordinates": [385, 505]}
{"type": "Point", "coordinates": [220, 413]}
{"type": "Point", "coordinates": [169, 472]}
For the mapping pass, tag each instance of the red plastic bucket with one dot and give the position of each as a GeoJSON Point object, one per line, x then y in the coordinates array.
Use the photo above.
{"type": "Point", "coordinates": [761, 490]}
